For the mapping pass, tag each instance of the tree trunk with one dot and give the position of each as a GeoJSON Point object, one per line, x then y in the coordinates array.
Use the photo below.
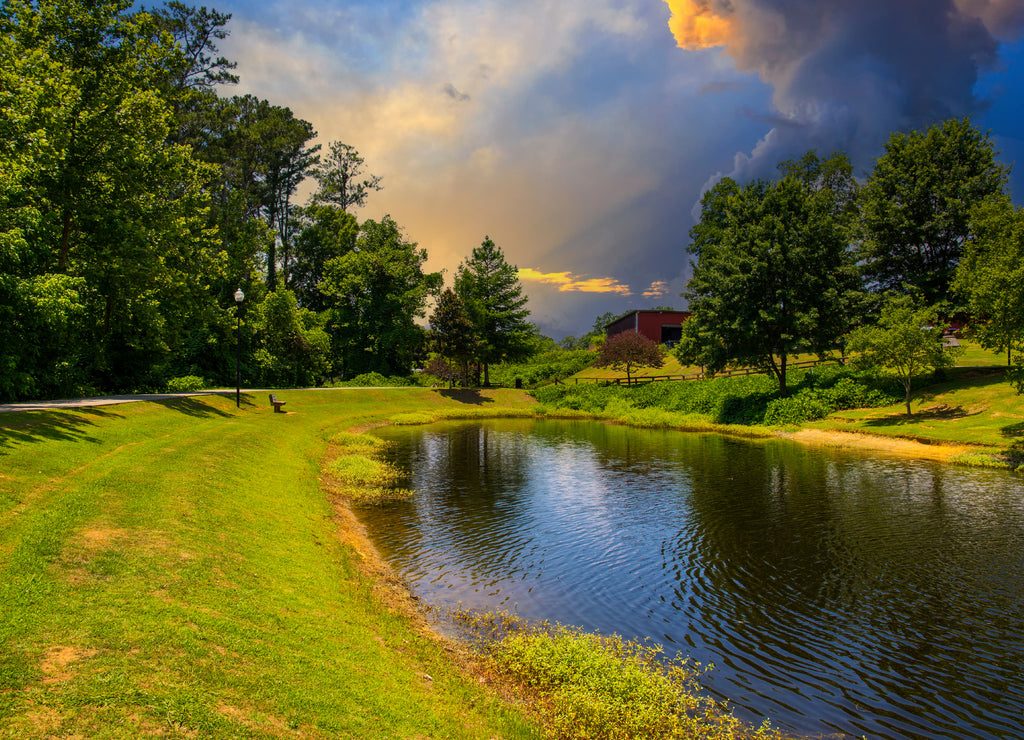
{"type": "Point", "coordinates": [907, 398]}
{"type": "Point", "coordinates": [487, 375]}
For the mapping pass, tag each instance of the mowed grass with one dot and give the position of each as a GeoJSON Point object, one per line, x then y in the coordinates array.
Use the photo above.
{"type": "Point", "coordinates": [174, 569]}
{"type": "Point", "coordinates": [975, 406]}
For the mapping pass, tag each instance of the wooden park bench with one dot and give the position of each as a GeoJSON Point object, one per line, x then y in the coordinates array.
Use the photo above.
{"type": "Point", "coordinates": [276, 404]}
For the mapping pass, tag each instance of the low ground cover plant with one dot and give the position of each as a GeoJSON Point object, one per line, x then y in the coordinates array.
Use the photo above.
{"type": "Point", "coordinates": [587, 685]}
{"type": "Point", "coordinates": [746, 400]}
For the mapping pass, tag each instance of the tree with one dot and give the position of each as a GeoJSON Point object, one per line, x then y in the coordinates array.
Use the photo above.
{"type": "Point", "coordinates": [916, 206]}
{"type": "Point", "coordinates": [907, 340]}
{"type": "Point", "coordinates": [990, 277]}
{"type": "Point", "coordinates": [629, 351]}
{"type": "Point", "coordinates": [328, 232]}
{"type": "Point", "coordinates": [375, 293]}
{"type": "Point", "coordinates": [120, 211]}
{"type": "Point", "coordinates": [490, 288]}
{"type": "Point", "coordinates": [453, 336]}
{"type": "Point", "coordinates": [774, 276]}
{"type": "Point", "coordinates": [338, 178]}
{"type": "Point", "coordinates": [294, 350]}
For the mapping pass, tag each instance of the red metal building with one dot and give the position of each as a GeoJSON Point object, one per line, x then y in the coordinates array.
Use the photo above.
{"type": "Point", "coordinates": [663, 327]}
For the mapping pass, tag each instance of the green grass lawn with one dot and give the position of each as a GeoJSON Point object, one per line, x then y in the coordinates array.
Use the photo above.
{"type": "Point", "coordinates": [975, 406]}
{"type": "Point", "coordinates": [175, 569]}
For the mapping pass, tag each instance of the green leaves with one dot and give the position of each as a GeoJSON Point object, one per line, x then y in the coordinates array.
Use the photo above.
{"type": "Point", "coordinates": [916, 206]}
{"type": "Point", "coordinates": [774, 275]}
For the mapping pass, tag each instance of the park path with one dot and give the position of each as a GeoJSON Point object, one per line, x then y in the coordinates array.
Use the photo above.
{"type": "Point", "coordinates": [79, 403]}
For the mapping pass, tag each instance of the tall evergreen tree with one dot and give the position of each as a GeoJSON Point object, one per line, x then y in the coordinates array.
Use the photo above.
{"type": "Point", "coordinates": [490, 288]}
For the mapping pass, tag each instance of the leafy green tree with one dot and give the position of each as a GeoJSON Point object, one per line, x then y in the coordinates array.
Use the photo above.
{"type": "Point", "coordinates": [629, 351]}
{"type": "Point", "coordinates": [990, 277]}
{"type": "Point", "coordinates": [338, 181]}
{"type": "Point", "coordinates": [375, 294]}
{"type": "Point", "coordinates": [452, 334]}
{"type": "Point", "coordinates": [328, 232]}
{"type": "Point", "coordinates": [294, 350]}
{"type": "Point", "coordinates": [774, 276]}
{"type": "Point", "coordinates": [490, 288]}
{"type": "Point", "coordinates": [907, 341]}
{"type": "Point", "coordinates": [113, 202]}
{"type": "Point", "coordinates": [916, 206]}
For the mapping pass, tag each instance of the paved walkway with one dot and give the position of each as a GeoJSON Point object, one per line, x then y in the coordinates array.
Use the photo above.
{"type": "Point", "coordinates": [79, 403]}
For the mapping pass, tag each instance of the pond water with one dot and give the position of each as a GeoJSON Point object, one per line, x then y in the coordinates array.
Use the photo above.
{"type": "Point", "coordinates": [834, 591]}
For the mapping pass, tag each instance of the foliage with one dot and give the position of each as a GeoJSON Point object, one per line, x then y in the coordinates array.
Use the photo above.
{"type": "Point", "coordinates": [185, 384]}
{"type": "Point", "coordinates": [337, 177]}
{"type": "Point", "coordinates": [990, 277]}
{"type": "Point", "coordinates": [453, 337]}
{"type": "Point", "coordinates": [907, 341]}
{"type": "Point", "coordinates": [374, 380]}
{"type": "Point", "coordinates": [490, 289]}
{"type": "Point", "coordinates": [375, 293]}
{"type": "Point", "coordinates": [916, 206]}
{"type": "Point", "coordinates": [743, 400]}
{"type": "Point", "coordinates": [293, 349]}
{"type": "Point", "coordinates": [595, 686]}
{"type": "Point", "coordinates": [327, 233]}
{"type": "Point", "coordinates": [543, 368]}
{"type": "Point", "coordinates": [773, 275]}
{"type": "Point", "coordinates": [627, 351]}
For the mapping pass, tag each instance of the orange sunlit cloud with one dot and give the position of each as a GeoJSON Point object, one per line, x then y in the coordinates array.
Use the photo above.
{"type": "Point", "coordinates": [657, 289]}
{"type": "Point", "coordinates": [569, 283]}
{"type": "Point", "coordinates": [696, 25]}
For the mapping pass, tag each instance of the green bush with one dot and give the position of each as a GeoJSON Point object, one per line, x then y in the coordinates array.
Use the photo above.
{"type": "Point", "coordinates": [543, 368]}
{"type": "Point", "coordinates": [744, 400]}
{"type": "Point", "coordinates": [593, 686]}
{"type": "Point", "coordinates": [185, 384]}
{"type": "Point", "coordinates": [374, 380]}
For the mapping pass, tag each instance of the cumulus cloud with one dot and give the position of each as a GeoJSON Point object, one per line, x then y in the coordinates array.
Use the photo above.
{"type": "Point", "coordinates": [567, 282]}
{"type": "Point", "coordinates": [847, 73]}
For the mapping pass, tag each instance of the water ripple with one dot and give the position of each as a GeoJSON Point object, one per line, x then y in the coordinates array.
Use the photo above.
{"type": "Point", "coordinates": [835, 592]}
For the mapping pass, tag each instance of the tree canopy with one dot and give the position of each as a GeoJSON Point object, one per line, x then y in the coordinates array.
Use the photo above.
{"type": "Point", "coordinates": [629, 351]}
{"type": "Point", "coordinates": [990, 276]}
{"type": "Point", "coordinates": [774, 276]}
{"type": "Point", "coordinates": [907, 340]}
{"type": "Point", "coordinates": [917, 203]}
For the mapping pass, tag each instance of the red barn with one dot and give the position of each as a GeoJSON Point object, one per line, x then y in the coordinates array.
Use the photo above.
{"type": "Point", "coordinates": [663, 327]}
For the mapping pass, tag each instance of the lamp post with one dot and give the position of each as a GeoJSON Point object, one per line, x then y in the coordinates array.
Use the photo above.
{"type": "Point", "coordinates": [239, 297]}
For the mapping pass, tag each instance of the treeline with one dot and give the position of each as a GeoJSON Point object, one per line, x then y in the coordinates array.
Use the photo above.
{"type": "Point", "coordinates": [816, 261]}
{"type": "Point", "coordinates": [136, 198]}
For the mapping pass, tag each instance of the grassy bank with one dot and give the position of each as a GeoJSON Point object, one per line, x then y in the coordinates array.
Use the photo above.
{"type": "Point", "coordinates": [186, 569]}
{"type": "Point", "coordinates": [175, 569]}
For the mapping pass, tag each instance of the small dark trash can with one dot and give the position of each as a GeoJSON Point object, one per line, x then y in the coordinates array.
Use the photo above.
{"type": "Point", "coordinates": [519, 383]}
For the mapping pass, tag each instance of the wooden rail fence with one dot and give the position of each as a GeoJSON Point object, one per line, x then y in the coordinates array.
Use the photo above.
{"type": "Point", "coordinates": [700, 376]}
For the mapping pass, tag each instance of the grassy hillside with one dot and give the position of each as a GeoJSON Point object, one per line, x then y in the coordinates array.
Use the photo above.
{"type": "Point", "coordinates": [972, 356]}
{"type": "Point", "coordinates": [175, 569]}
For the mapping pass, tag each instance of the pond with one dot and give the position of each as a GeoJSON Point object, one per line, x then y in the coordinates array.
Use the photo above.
{"type": "Point", "coordinates": [834, 591]}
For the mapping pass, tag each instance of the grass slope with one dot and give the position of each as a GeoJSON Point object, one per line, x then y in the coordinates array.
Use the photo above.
{"type": "Point", "coordinates": [175, 569]}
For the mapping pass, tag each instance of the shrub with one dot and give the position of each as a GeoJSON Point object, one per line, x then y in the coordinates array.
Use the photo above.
{"type": "Point", "coordinates": [185, 384]}
{"type": "Point", "coordinates": [374, 380]}
{"type": "Point", "coordinates": [593, 686]}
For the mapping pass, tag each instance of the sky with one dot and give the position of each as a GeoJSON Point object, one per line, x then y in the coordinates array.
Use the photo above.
{"type": "Point", "coordinates": [580, 134]}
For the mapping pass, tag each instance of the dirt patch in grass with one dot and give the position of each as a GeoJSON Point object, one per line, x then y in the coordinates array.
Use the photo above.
{"type": "Point", "coordinates": [58, 659]}
{"type": "Point", "coordinates": [889, 445]}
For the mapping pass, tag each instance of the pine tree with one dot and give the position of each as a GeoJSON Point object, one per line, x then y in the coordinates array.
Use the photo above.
{"type": "Point", "coordinates": [490, 288]}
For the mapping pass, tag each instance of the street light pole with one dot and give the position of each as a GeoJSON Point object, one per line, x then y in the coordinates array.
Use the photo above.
{"type": "Point", "coordinates": [239, 297]}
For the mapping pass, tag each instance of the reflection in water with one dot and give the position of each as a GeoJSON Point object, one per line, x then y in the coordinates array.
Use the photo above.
{"type": "Point", "coordinates": [834, 591]}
